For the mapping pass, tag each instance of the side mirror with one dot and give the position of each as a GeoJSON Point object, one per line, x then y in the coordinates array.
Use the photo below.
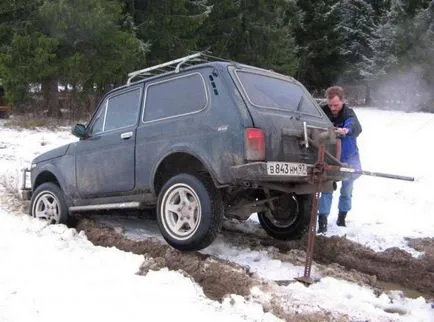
{"type": "Point", "coordinates": [79, 130]}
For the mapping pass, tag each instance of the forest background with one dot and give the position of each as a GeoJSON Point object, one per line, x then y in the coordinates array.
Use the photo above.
{"type": "Point", "coordinates": [63, 55]}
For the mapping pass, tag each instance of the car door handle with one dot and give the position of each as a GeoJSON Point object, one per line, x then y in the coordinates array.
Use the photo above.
{"type": "Point", "coordinates": [126, 135]}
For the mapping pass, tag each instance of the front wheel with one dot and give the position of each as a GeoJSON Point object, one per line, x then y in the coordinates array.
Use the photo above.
{"type": "Point", "coordinates": [189, 211]}
{"type": "Point", "coordinates": [290, 217]}
{"type": "Point", "coordinates": [48, 203]}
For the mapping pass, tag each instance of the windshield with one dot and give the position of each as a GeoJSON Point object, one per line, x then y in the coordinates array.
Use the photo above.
{"type": "Point", "coordinates": [275, 93]}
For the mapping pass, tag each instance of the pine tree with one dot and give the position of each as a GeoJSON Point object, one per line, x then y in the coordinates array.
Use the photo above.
{"type": "Point", "coordinates": [379, 6]}
{"type": "Point", "coordinates": [356, 29]}
{"type": "Point", "coordinates": [170, 27]}
{"type": "Point", "coordinates": [15, 19]}
{"type": "Point", "coordinates": [402, 14]}
{"type": "Point", "coordinates": [422, 55]}
{"type": "Point", "coordinates": [320, 60]}
{"type": "Point", "coordinates": [218, 33]}
{"type": "Point", "coordinates": [404, 55]}
{"type": "Point", "coordinates": [383, 43]}
{"type": "Point", "coordinates": [257, 32]}
{"type": "Point", "coordinates": [81, 42]}
{"type": "Point", "coordinates": [265, 37]}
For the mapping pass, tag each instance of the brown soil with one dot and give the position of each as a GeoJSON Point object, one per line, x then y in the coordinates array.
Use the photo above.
{"type": "Point", "coordinates": [425, 245]}
{"type": "Point", "coordinates": [217, 277]}
{"type": "Point", "coordinates": [294, 252]}
{"type": "Point", "coordinates": [394, 265]}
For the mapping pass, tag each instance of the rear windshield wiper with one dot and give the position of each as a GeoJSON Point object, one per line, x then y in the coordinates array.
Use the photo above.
{"type": "Point", "coordinates": [297, 110]}
{"type": "Point", "coordinates": [300, 102]}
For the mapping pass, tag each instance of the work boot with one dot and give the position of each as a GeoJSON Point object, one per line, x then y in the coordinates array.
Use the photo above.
{"type": "Point", "coordinates": [341, 219]}
{"type": "Point", "coordinates": [322, 224]}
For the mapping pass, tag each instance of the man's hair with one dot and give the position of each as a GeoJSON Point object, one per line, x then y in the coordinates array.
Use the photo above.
{"type": "Point", "coordinates": [334, 91]}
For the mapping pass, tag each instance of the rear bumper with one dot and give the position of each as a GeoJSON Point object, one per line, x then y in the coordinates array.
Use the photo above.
{"type": "Point", "coordinates": [256, 174]}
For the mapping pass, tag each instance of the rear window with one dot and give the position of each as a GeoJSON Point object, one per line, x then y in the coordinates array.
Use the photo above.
{"type": "Point", "coordinates": [174, 97]}
{"type": "Point", "coordinates": [270, 92]}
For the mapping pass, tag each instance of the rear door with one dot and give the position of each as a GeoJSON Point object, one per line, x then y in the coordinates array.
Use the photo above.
{"type": "Point", "coordinates": [105, 159]}
{"type": "Point", "coordinates": [280, 106]}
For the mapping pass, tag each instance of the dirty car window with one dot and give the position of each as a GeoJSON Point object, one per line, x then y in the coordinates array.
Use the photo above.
{"type": "Point", "coordinates": [270, 92]}
{"type": "Point", "coordinates": [178, 96]}
{"type": "Point", "coordinates": [98, 124]}
{"type": "Point", "coordinates": [122, 110]}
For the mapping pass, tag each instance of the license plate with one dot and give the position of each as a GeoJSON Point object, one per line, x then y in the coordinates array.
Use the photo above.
{"type": "Point", "coordinates": [286, 169]}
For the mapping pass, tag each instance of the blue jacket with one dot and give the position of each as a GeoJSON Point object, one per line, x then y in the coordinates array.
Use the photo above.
{"type": "Point", "coordinates": [347, 118]}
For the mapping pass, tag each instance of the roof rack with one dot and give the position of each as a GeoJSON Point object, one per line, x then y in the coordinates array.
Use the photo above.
{"type": "Point", "coordinates": [199, 57]}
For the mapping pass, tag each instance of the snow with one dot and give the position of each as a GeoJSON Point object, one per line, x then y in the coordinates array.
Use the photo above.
{"type": "Point", "coordinates": [384, 210]}
{"type": "Point", "coordinates": [260, 262]}
{"type": "Point", "coordinates": [359, 302]}
{"type": "Point", "coordinates": [51, 272]}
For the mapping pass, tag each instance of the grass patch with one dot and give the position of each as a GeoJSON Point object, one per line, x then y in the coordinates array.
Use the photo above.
{"type": "Point", "coordinates": [38, 122]}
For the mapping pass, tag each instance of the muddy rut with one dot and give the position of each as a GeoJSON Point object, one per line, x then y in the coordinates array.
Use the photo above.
{"type": "Point", "coordinates": [393, 265]}
{"type": "Point", "coordinates": [217, 277]}
{"type": "Point", "coordinates": [335, 256]}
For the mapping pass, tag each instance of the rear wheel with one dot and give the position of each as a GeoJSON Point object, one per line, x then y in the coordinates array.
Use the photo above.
{"type": "Point", "coordinates": [48, 203]}
{"type": "Point", "coordinates": [189, 211]}
{"type": "Point", "coordinates": [289, 219]}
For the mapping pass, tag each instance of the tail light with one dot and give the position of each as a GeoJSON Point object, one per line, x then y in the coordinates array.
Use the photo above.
{"type": "Point", "coordinates": [254, 140]}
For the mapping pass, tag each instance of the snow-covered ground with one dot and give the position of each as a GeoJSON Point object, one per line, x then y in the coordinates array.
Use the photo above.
{"type": "Point", "coordinates": [385, 211]}
{"type": "Point", "coordinates": [47, 271]}
{"type": "Point", "coordinates": [51, 273]}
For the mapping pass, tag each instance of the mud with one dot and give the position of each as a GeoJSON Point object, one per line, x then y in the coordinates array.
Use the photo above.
{"type": "Point", "coordinates": [293, 252]}
{"type": "Point", "coordinates": [393, 265]}
{"type": "Point", "coordinates": [217, 277]}
{"type": "Point", "coordinates": [339, 257]}
{"type": "Point", "coordinates": [425, 245]}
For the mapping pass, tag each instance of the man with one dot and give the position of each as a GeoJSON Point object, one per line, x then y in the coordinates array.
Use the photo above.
{"type": "Point", "coordinates": [348, 128]}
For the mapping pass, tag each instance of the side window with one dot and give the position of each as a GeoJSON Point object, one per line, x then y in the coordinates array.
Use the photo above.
{"type": "Point", "coordinates": [178, 96]}
{"type": "Point", "coordinates": [122, 110]}
{"type": "Point", "coordinates": [98, 124]}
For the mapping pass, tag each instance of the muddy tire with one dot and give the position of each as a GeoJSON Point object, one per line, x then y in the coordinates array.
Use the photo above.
{"type": "Point", "coordinates": [290, 218]}
{"type": "Point", "coordinates": [48, 203]}
{"type": "Point", "coordinates": [189, 211]}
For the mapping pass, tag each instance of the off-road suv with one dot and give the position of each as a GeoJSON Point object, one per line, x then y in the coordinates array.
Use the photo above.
{"type": "Point", "coordinates": [205, 140]}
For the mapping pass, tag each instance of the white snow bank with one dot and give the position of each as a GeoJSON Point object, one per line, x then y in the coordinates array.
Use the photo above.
{"type": "Point", "coordinates": [51, 273]}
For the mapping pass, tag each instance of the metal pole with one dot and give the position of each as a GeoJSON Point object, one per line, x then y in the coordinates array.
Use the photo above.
{"type": "Point", "coordinates": [317, 178]}
{"type": "Point", "coordinates": [377, 174]}
{"type": "Point", "coordinates": [364, 172]}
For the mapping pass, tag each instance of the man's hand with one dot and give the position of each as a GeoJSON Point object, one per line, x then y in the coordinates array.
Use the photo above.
{"type": "Point", "coordinates": [341, 131]}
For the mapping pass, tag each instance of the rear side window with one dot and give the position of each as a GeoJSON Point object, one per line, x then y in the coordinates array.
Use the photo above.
{"type": "Point", "coordinates": [98, 124]}
{"type": "Point", "coordinates": [174, 97]}
{"type": "Point", "coordinates": [270, 92]}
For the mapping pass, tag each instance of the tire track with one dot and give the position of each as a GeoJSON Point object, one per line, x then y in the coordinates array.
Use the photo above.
{"type": "Point", "coordinates": [217, 277]}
